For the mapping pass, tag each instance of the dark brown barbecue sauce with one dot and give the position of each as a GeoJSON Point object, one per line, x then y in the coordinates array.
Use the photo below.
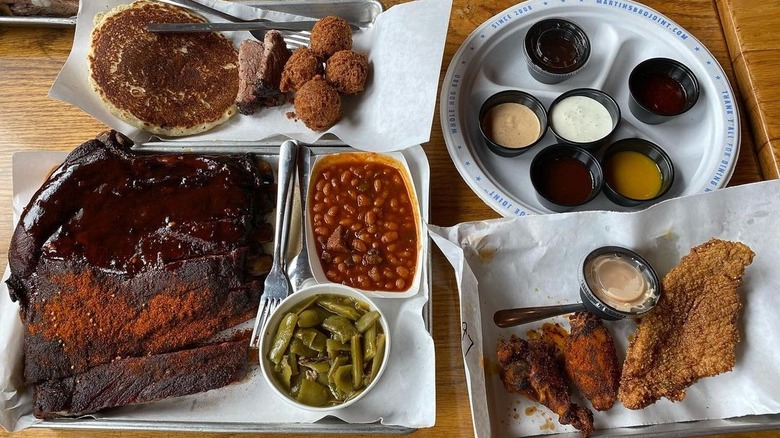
{"type": "Point", "coordinates": [132, 215]}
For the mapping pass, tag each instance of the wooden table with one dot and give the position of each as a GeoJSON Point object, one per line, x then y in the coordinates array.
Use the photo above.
{"type": "Point", "coordinates": [755, 56]}
{"type": "Point", "coordinates": [29, 62]}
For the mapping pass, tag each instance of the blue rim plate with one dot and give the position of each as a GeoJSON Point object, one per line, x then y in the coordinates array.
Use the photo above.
{"type": "Point", "coordinates": [703, 143]}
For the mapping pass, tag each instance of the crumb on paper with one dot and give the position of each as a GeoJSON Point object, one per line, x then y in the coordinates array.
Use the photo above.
{"type": "Point", "coordinates": [486, 254]}
{"type": "Point", "coordinates": [548, 424]}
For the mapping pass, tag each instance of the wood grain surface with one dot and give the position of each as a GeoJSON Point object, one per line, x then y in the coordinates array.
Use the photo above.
{"type": "Point", "coordinates": [30, 59]}
{"type": "Point", "coordinates": [754, 51]}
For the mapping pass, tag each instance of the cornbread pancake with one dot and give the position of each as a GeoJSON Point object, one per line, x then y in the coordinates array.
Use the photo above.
{"type": "Point", "coordinates": [167, 84]}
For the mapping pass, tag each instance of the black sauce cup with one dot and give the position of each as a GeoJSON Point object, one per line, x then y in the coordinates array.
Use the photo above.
{"type": "Point", "coordinates": [648, 149]}
{"type": "Point", "coordinates": [555, 50]}
{"type": "Point", "coordinates": [665, 68]}
{"type": "Point", "coordinates": [600, 308]}
{"type": "Point", "coordinates": [549, 192]}
{"type": "Point", "coordinates": [599, 96]}
{"type": "Point", "coordinates": [512, 96]}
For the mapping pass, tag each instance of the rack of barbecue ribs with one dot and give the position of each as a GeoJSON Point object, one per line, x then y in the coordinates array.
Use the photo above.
{"type": "Point", "coordinates": [125, 265]}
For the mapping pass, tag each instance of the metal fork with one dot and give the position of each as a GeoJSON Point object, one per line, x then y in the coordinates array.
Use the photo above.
{"type": "Point", "coordinates": [277, 285]}
{"type": "Point", "coordinates": [299, 269]}
{"type": "Point", "coordinates": [293, 39]}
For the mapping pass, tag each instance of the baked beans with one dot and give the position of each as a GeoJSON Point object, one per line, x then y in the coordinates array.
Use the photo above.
{"type": "Point", "coordinates": [364, 222]}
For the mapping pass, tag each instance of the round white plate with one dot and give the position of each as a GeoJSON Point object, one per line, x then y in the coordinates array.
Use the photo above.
{"type": "Point", "coordinates": [702, 143]}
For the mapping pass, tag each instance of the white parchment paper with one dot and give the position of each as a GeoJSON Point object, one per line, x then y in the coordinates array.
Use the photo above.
{"type": "Point", "coordinates": [405, 46]}
{"type": "Point", "coordinates": [404, 396]}
{"type": "Point", "coordinates": [533, 260]}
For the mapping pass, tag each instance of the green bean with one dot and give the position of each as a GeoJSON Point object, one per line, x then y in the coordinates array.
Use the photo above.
{"type": "Point", "coordinates": [311, 318]}
{"type": "Point", "coordinates": [352, 395]}
{"type": "Point", "coordinates": [334, 365]}
{"type": "Point", "coordinates": [295, 384]}
{"type": "Point", "coordinates": [334, 347]}
{"type": "Point", "coordinates": [376, 362]}
{"type": "Point", "coordinates": [294, 363]}
{"type": "Point", "coordinates": [343, 379]}
{"type": "Point", "coordinates": [340, 328]}
{"type": "Point", "coordinates": [312, 393]}
{"type": "Point", "coordinates": [311, 338]}
{"type": "Point", "coordinates": [369, 342]}
{"type": "Point", "coordinates": [297, 347]}
{"type": "Point", "coordinates": [286, 373]}
{"type": "Point", "coordinates": [361, 306]}
{"type": "Point", "coordinates": [366, 321]}
{"type": "Point", "coordinates": [357, 362]}
{"type": "Point", "coordinates": [319, 371]}
{"type": "Point", "coordinates": [319, 366]}
{"type": "Point", "coordinates": [303, 305]}
{"type": "Point", "coordinates": [322, 379]}
{"type": "Point", "coordinates": [349, 312]}
{"type": "Point", "coordinates": [282, 338]}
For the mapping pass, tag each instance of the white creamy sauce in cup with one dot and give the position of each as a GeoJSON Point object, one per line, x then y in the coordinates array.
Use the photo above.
{"type": "Point", "coordinates": [581, 119]}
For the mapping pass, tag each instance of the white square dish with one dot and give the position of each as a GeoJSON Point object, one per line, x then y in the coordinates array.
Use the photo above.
{"type": "Point", "coordinates": [398, 162]}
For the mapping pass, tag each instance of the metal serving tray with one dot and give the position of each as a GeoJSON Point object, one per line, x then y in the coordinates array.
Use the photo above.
{"type": "Point", "coordinates": [268, 151]}
{"type": "Point", "coordinates": [350, 10]}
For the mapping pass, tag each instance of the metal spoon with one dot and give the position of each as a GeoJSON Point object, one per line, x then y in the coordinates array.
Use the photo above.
{"type": "Point", "coordinates": [523, 315]}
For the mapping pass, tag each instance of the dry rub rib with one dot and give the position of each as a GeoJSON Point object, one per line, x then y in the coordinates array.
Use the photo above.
{"type": "Point", "coordinates": [692, 333]}
{"type": "Point", "coordinates": [142, 379]}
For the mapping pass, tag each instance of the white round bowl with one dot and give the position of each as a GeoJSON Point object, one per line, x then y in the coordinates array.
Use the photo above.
{"type": "Point", "coordinates": [268, 333]}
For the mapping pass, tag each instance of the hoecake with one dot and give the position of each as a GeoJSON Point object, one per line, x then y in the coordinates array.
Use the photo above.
{"type": "Point", "coordinates": [167, 84]}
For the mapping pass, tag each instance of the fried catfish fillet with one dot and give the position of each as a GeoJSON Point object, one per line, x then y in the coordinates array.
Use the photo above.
{"type": "Point", "coordinates": [529, 368]}
{"type": "Point", "coordinates": [591, 360]}
{"type": "Point", "coordinates": [692, 333]}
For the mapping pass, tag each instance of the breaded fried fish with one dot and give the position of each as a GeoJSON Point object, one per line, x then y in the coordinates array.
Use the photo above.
{"type": "Point", "coordinates": [692, 332]}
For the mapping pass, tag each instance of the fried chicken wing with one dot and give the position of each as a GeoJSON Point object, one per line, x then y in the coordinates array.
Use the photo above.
{"type": "Point", "coordinates": [692, 332]}
{"type": "Point", "coordinates": [529, 368]}
{"type": "Point", "coordinates": [591, 360]}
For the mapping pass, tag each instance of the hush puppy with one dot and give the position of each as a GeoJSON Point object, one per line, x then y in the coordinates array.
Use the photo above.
{"type": "Point", "coordinates": [329, 35]}
{"type": "Point", "coordinates": [302, 66]}
{"type": "Point", "coordinates": [347, 71]}
{"type": "Point", "coordinates": [317, 104]}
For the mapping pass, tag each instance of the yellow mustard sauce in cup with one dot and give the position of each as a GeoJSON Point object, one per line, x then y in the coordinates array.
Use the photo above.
{"type": "Point", "coordinates": [633, 174]}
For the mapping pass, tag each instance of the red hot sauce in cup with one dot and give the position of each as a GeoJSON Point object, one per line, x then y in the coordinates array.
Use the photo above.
{"type": "Point", "coordinates": [565, 181]}
{"type": "Point", "coordinates": [661, 94]}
